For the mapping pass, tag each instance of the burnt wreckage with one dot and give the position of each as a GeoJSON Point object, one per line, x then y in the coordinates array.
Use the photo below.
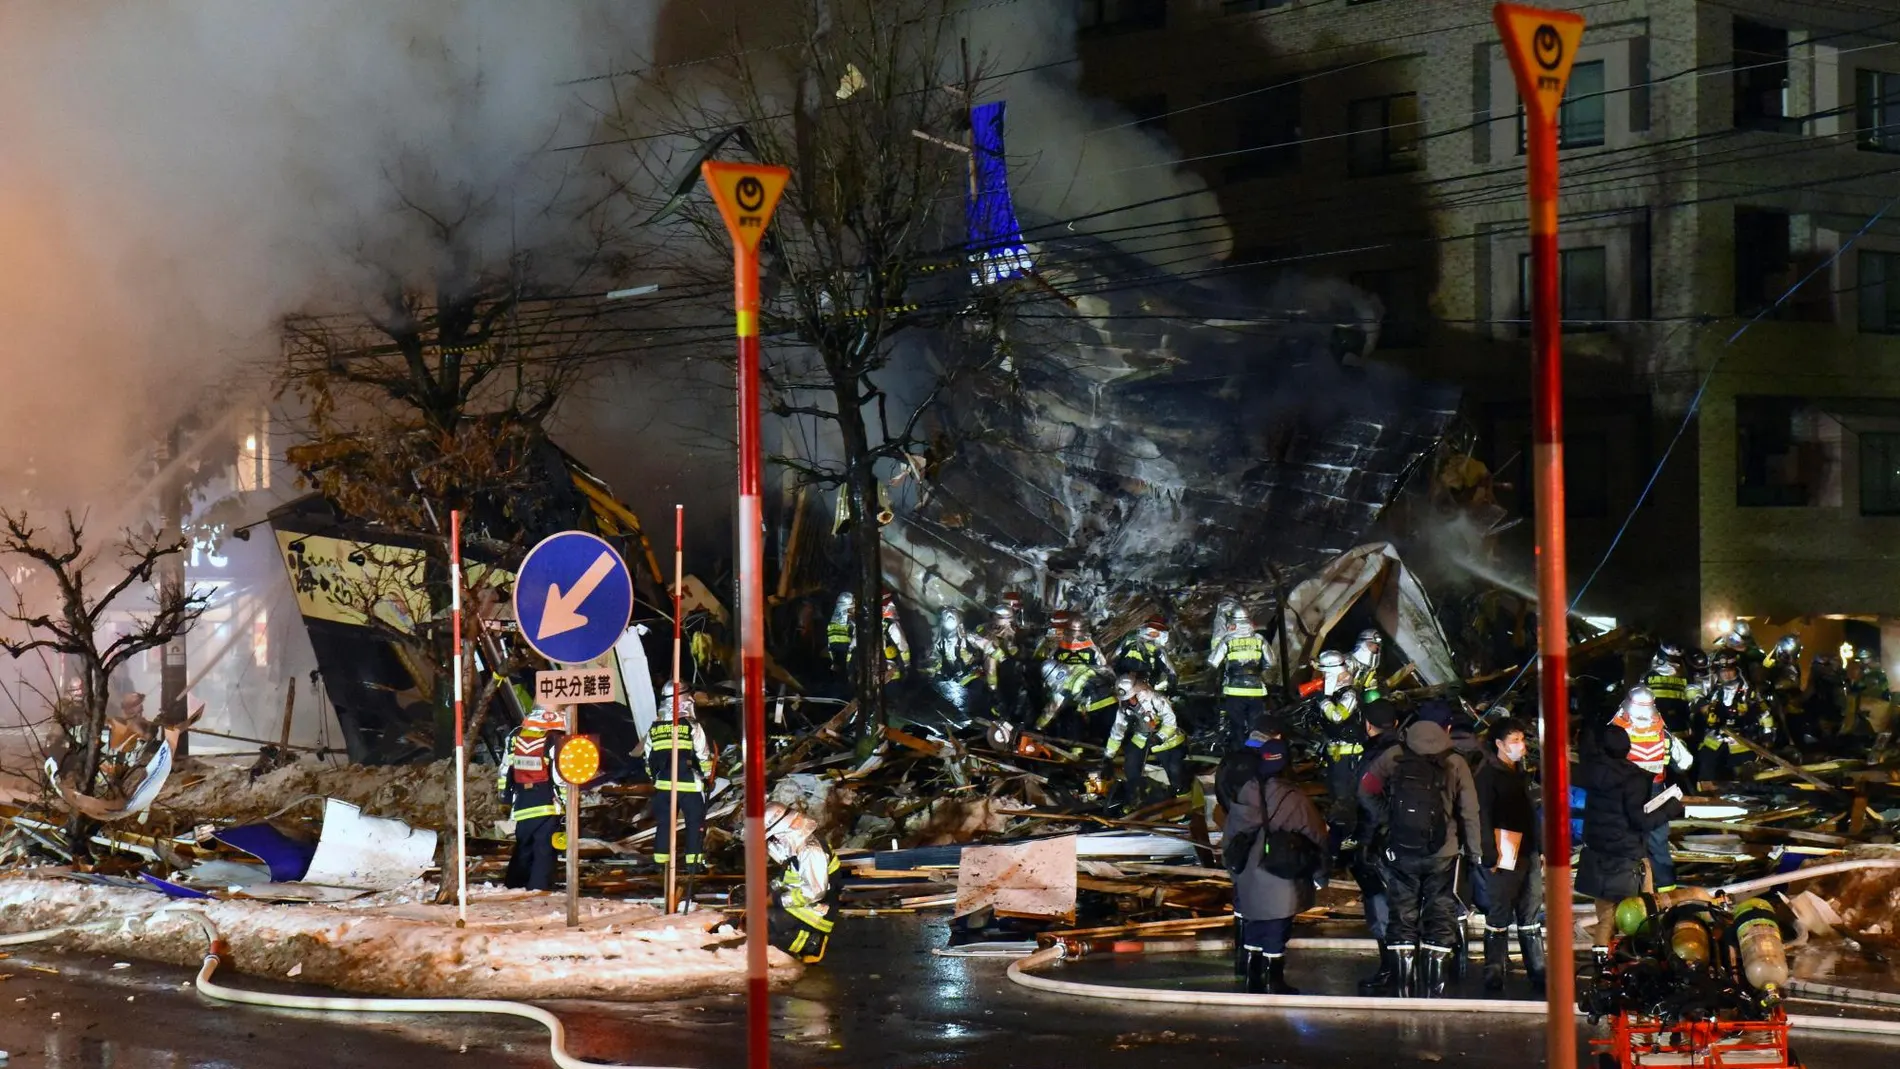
{"type": "Point", "coordinates": [1165, 436]}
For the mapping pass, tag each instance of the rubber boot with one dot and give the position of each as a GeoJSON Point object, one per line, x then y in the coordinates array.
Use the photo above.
{"type": "Point", "coordinates": [1240, 949]}
{"type": "Point", "coordinates": [1497, 958]}
{"type": "Point", "coordinates": [1460, 964]}
{"type": "Point", "coordinates": [1276, 976]}
{"type": "Point", "coordinates": [1530, 943]}
{"type": "Point", "coordinates": [1403, 961]}
{"type": "Point", "coordinates": [1380, 983]}
{"type": "Point", "coordinates": [1436, 970]}
{"type": "Point", "coordinates": [1256, 971]}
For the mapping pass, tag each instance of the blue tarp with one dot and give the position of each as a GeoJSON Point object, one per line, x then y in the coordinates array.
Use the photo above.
{"type": "Point", "coordinates": [996, 246]}
{"type": "Point", "coordinates": [287, 858]}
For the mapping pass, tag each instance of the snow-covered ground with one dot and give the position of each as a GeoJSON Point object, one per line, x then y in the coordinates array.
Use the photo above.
{"type": "Point", "coordinates": [516, 945]}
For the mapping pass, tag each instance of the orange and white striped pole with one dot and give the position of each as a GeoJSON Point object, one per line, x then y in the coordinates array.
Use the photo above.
{"type": "Point", "coordinates": [1542, 45]}
{"type": "Point", "coordinates": [746, 195]}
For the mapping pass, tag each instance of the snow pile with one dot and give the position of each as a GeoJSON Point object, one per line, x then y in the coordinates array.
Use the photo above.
{"type": "Point", "coordinates": [516, 945]}
{"type": "Point", "coordinates": [422, 795]}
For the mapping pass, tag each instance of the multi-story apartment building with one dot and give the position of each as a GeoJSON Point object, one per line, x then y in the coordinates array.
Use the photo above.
{"type": "Point", "coordinates": [1713, 154]}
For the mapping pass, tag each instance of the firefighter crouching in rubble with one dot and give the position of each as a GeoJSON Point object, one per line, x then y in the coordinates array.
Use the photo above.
{"type": "Point", "coordinates": [1869, 701]}
{"type": "Point", "coordinates": [1145, 720]}
{"type": "Point", "coordinates": [957, 660]}
{"type": "Point", "coordinates": [526, 782]}
{"type": "Point", "coordinates": [1009, 690]}
{"type": "Point", "coordinates": [1143, 653]}
{"type": "Point", "coordinates": [1081, 701]}
{"type": "Point", "coordinates": [1241, 658]}
{"type": "Point", "coordinates": [1345, 743]}
{"type": "Point", "coordinates": [697, 767]}
{"type": "Point", "coordinates": [1653, 749]}
{"type": "Point", "coordinates": [1732, 709]}
{"type": "Point", "coordinates": [802, 913]}
{"type": "Point", "coordinates": [1274, 845]}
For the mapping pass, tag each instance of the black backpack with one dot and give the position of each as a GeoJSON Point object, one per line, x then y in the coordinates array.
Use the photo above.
{"type": "Point", "coordinates": [1416, 822]}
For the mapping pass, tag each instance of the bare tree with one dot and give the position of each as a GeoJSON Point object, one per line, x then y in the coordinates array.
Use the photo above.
{"type": "Point", "coordinates": [75, 627]}
{"type": "Point", "coordinates": [866, 284]}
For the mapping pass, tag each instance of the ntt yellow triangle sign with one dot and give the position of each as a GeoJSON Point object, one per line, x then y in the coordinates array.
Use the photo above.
{"type": "Point", "coordinates": [1542, 46]}
{"type": "Point", "coordinates": [746, 194]}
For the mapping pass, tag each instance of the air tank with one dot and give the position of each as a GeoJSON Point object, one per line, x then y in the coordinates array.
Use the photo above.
{"type": "Point", "coordinates": [1689, 941]}
{"type": "Point", "coordinates": [1636, 909]}
{"type": "Point", "coordinates": [1758, 938]}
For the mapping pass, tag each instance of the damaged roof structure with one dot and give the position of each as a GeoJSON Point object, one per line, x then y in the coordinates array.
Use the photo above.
{"type": "Point", "coordinates": [1159, 436]}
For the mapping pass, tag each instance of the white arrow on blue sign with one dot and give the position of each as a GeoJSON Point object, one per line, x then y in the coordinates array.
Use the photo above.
{"type": "Point", "coordinates": [573, 597]}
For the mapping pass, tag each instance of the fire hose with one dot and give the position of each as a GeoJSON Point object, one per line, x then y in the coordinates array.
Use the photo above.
{"type": "Point", "coordinates": [557, 1032]}
{"type": "Point", "coordinates": [1022, 972]}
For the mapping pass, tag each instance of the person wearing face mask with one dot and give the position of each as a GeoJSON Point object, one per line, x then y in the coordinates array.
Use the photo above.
{"type": "Point", "coordinates": [1507, 813]}
{"type": "Point", "coordinates": [1654, 750]}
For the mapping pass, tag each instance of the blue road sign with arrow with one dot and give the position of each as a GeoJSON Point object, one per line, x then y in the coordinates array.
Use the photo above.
{"type": "Point", "coordinates": [573, 597]}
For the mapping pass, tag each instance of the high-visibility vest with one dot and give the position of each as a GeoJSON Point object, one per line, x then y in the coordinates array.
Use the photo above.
{"type": "Point", "coordinates": [1649, 746]}
{"type": "Point", "coordinates": [1245, 659]}
{"type": "Point", "coordinates": [1345, 732]}
{"type": "Point", "coordinates": [662, 741]}
{"type": "Point", "coordinates": [1667, 688]}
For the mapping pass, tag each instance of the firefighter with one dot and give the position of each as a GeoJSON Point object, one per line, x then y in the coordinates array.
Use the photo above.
{"type": "Point", "coordinates": [1145, 721]}
{"type": "Point", "coordinates": [1345, 733]}
{"type": "Point", "coordinates": [957, 660]}
{"type": "Point", "coordinates": [1241, 658]}
{"type": "Point", "coordinates": [1653, 749]}
{"type": "Point", "coordinates": [805, 890]}
{"type": "Point", "coordinates": [1366, 654]}
{"type": "Point", "coordinates": [1669, 688]}
{"type": "Point", "coordinates": [526, 782]}
{"type": "Point", "coordinates": [1085, 692]}
{"type": "Point", "coordinates": [1731, 709]}
{"type": "Point", "coordinates": [1781, 669]}
{"type": "Point", "coordinates": [1739, 639]}
{"type": "Point", "coordinates": [1869, 700]}
{"type": "Point", "coordinates": [1009, 689]}
{"type": "Point", "coordinates": [1076, 648]}
{"type": "Point", "coordinates": [841, 634]}
{"type": "Point", "coordinates": [896, 647]}
{"type": "Point", "coordinates": [1695, 672]}
{"type": "Point", "coordinates": [1144, 653]}
{"type": "Point", "coordinates": [698, 766]}
{"type": "Point", "coordinates": [1223, 622]}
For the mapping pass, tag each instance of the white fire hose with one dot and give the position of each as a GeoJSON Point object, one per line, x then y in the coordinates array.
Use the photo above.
{"type": "Point", "coordinates": [557, 1032]}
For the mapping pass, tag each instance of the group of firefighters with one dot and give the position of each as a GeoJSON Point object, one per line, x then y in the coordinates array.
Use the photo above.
{"type": "Point", "coordinates": [1432, 812]}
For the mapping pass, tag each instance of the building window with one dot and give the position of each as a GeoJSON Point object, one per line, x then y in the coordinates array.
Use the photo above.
{"type": "Point", "coordinates": [1878, 292]}
{"type": "Point", "coordinates": [1880, 474]}
{"type": "Point", "coordinates": [1877, 111]}
{"type": "Point", "coordinates": [1266, 133]}
{"type": "Point", "coordinates": [1580, 121]}
{"type": "Point", "coordinates": [1120, 16]}
{"type": "Point", "coordinates": [1787, 454]}
{"type": "Point", "coordinates": [1402, 295]}
{"type": "Point", "coordinates": [1584, 280]}
{"type": "Point", "coordinates": [1763, 264]}
{"type": "Point", "coordinates": [1382, 134]}
{"type": "Point", "coordinates": [252, 470]}
{"type": "Point", "coordinates": [1761, 78]}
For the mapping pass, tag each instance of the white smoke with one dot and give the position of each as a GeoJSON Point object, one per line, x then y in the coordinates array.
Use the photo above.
{"type": "Point", "coordinates": [177, 176]}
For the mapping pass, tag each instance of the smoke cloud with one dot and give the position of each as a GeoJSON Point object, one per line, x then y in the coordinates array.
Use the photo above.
{"type": "Point", "coordinates": [177, 176]}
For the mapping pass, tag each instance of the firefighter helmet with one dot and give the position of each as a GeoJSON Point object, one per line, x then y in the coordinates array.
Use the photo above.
{"type": "Point", "coordinates": [666, 701]}
{"type": "Point", "coordinates": [1668, 659]}
{"type": "Point", "coordinates": [1640, 706]}
{"type": "Point", "coordinates": [1787, 646]}
{"type": "Point", "coordinates": [1727, 666]}
{"type": "Point", "coordinates": [1125, 687]}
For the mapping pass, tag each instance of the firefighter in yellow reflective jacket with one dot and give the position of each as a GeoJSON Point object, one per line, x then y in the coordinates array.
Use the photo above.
{"type": "Point", "coordinates": [1144, 653]}
{"type": "Point", "coordinates": [1732, 709]}
{"type": "Point", "coordinates": [841, 634]}
{"type": "Point", "coordinates": [537, 804]}
{"type": "Point", "coordinates": [896, 647]}
{"type": "Point", "coordinates": [1085, 693]}
{"type": "Point", "coordinates": [805, 890]}
{"type": "Point", "coordinates": [957, 660]}
{"type": "Point", "coordinates": [1241, 657]}
{"type": "Point", "coordinates": [1781, 672]}
{"type": "Point", "coordinates": [1345, 731]}
{"type": "Point", "coordinates": [698, 765]}
{"type": "Point", "coordinates": [1670, 688]}
{"type": "Point", "coordinates": [1145, 721]}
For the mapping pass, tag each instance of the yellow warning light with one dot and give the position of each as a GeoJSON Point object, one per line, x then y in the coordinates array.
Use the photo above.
{"type": "Point", "coordinates": [578, 759]}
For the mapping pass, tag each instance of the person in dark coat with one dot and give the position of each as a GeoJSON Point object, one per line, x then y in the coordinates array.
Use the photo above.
{"type": "Point", "coordinates": [1618, 815]}
{"type": "Point", "coordinates": [1382, 720]}
{"type": "Point", "coordinates": [1269, 903]}
{"type": "Point", "coordinates": [1239, 767]}
{"type": "Point", "coordinates": [1507, 817]}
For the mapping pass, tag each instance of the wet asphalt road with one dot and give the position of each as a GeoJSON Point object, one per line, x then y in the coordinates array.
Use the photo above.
{"type": "Point", "coordinates": [882, 1000]}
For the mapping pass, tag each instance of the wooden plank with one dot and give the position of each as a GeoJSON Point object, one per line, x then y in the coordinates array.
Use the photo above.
{"type": "Point", "coordinates": [1793, 769]}
{"type": "Point", "coordinates": [1744, 831]}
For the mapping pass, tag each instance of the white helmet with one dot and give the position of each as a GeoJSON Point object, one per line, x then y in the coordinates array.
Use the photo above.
{"type": "Point", "coordinates": [787, 830]}
{"type": "Point", "coordinates": [1366, 649]}
{"type": "Point", "coordinates": [1238, 622]}
{"type": "Point", "coordinates": [1640, 706]}
{"type": "Point", "coordinates": [847, 601]}
{"type": "Point", "coordinates": [1334, 672]}
{"type": "Point", "coordinates": [949, 623]}
{"type": "Point", "coordinates": [666, 701]}
{"type": "Point", "coordinates": [1125, 687]}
